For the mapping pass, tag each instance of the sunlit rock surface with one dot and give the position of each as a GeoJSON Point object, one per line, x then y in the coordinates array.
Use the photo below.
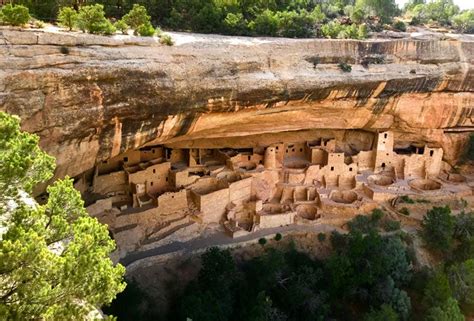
{"type": "Point", "coordinates": [90, 97]}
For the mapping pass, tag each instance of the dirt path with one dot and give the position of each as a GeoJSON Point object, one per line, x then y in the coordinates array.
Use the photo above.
{"type": "Point", "coordinates": [221, 239]}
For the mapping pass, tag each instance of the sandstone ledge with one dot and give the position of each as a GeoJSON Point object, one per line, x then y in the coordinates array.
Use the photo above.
{"type": "Point", "coordinates": [104, 95]}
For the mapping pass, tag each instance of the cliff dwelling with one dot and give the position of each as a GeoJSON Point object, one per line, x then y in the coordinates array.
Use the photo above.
{"type": "Point", "coordinates": [148, 194]}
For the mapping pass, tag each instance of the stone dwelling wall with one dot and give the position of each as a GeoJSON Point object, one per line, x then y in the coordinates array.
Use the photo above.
{"type": "Point", "coordinates": [129, 158]}
{"type": "Point", "coordinates": [319, 156]}
{"type": "Point", "coordinates": [180, 179]}
{"type": "Point", "coordinates": [150, 154]}
{"type": "Point", "coordinates": [109, 183]}
{"type": "Point", "coordinates": [240, 191]}
{"type": "Point", "coordinates": [336, 173]}
{"type": "Point", "coordinates": [414, 166]}
{"type": "Point", "coordinates": [172, 202]}
{"type": "Point", "coordinates": [433, 161]}
{"type": "Point", "coordinates": [384, 156]}
{"type": "Point", "coordinates": [155, 178]}
{"type": "Point", "coordinates": [213, 205]}
{"type": "Point", "coordinates": [177, 155]}
{"type": "Point", "coordinates": [296, 150]}
{"type": "Point", "coordinates": [365, 160]}
{"type": "Point", "coordinates": [275, 220]}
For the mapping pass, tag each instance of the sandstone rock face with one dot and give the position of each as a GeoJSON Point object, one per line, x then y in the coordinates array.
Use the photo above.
{"type": "Point", "coordinates": [90, 98]}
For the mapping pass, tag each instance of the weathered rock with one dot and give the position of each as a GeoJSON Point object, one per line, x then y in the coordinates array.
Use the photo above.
{"type": "Point", "coordinates": [92, 97]}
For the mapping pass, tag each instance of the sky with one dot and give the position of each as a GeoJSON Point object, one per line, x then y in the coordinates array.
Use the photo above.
{"type": "Point", "coordinates": [463, 4]}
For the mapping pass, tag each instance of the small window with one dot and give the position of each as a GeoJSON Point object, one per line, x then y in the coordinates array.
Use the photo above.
{"type": "Point", "coordinates": [301, 149]}
{"type": "Point", "coordinates": [153, 151]}
{"type": "Point", "coordinates": [385, 135]}
{"type": "Point", "coordinates": [383, 165]}
{"type": "Point", "coordinates": [151, 183]}
{"type": "Point", "coordinates": [277, 147]}
{"type": "Point", "coordinates": [431, 153]}
{"type": "Point", "coordinates": [104, 162]}
{"type": "Point", "coordinates": [249, 157]}
{"type": "Point", "coordinates": [293, 150]}
{"type": "Point", "coordinates": [287, 151]}
{"type": "Point", "coordinates": [387, 154]}
{"type": "Point", "coordinates": [172, 196]}
{"type": "Point", "coordinates": [167, 179]}
{"type": "Point", "coordinates": [350, 169]}
{"type": "Point", "coordinates": [125, 159]}
{"type": "Point", "coordinates": [332, 168]}
{"type": "Point", "coordinates": [383, 142]}
{"type": "Point", "coordinates": [154, 171]}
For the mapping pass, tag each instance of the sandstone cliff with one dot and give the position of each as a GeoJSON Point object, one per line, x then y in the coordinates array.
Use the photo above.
{"type": "Point", "coordinates": [90, 97]}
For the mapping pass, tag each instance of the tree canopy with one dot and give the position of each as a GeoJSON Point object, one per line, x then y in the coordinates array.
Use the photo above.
{"type": "Point", "coordinates": [54, 258]}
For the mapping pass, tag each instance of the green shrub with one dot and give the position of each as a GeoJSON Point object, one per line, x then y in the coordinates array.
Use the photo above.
{"type": "Point", "coordinates": [139, 20]}
{"type": "Point", "coordinates": [39, 24]}
{"type": "Point", "coordinates": [107, 28]}
{"type": "Point", "coordinates": [166, 40]}
{"type": "Point", "coordinates": [14, 15]}
{"type": "Point", "coordinates": [345, 67]}
{"type": "Point", "coordinates": [405, 211]}
{"type": "Point", "coordinates": [266, 24]}
{"type": "Point", "coordinates": [278, 237]}
{"type": "Point", "coordinates": [391, 225]}
{"type": "Point", "coordinates": [406, 199]}
{"type": "Point", "coordinates": [321, 237]}
{"type": "Point", "coordinates": [331, 29]}
{"type": "Point", "coordinates": [296, 24]}
{"type": "Point", "coordinates": [121, 26]}
{"type": "Point", "coordinates": [376, 215]}
{"type": "Point", "coordinates": [400, 26]}
{"type": "Point", "coordinates": [146, 30]}
{"type": "Point", "coordinates": [67, 17]}
{"type": "Point", "coordinates": [235, 24]}
{"type": "Point", "coordinates": [438, 228]}
{"type": "Point", "coordinates": [92, 19]}
{"type": "Point", "coordinates": [262, 241]}
{"type": "Point", "coordinates": [362, 32]}
{"type": "Point", "coordinates": [464, 22]}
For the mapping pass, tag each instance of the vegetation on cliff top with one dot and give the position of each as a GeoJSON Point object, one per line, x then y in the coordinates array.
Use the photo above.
{"type": "Point", "coordinates": [287, 18]}
{"type": "Point", "coordinates": [54, 257]}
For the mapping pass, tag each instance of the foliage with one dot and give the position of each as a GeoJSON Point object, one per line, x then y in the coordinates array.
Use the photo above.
{"type": "Point", "coordinates": [278, 237]}
{"type": "Point", "coordinates": [406, 199]}
{"type": "Point", "coordinates": [321, 237]}
{"type": "Point", "coordinates": [461, 279]}
{"type": "Point", "coordinates": [437, 290]}
{"type": "Point", "coordinates": [139, 20]}
{"type": "Point", "coordinates": [92, 19]}
{"type": "Point", "coordinates": [439, 11]}
{"type": "Point", "coordinates": [464, 22]}
{"type": "Point", "coordinates": [67, 17]}
{"type": "Point", "coordinates": [14, 15]}
{"type": "Point", "coordinates": [385, 313]}
{"type": "Point", "coordinates": [405, 211]}
{"type": "Point", "coordinates": [438, 228]}
{"type": "Point", "coordinates": [345, 67]}
{"type": "Point", "coordinates": [391, 225]}
{"type": "Point", "coordinates": [54, 258]}
{"type": "Point", "coordinates": [146, 30]}
{"type": "Point", "coordinates": [400, 26]}
{"type": "Point", "coordinates": [121, 26]}
{"type": "Point", "coordinates": [366, 223]}
{"type": "Point", "coordinates": [262, 241]}
{"type": "Point", "coordinates": [267, 23]}
{"type": "Point", "coordinates": [449, 311]}
{"type": "Point", "coordinates": [385, 9]}
{"type": "Point", "coordinates": [166, 40]}
{"type": "Point", "coordinates": [133, 304]}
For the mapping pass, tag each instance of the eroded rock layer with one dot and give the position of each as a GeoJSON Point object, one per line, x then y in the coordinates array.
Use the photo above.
{"type": "Point", "coordinates": [90, 98]}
